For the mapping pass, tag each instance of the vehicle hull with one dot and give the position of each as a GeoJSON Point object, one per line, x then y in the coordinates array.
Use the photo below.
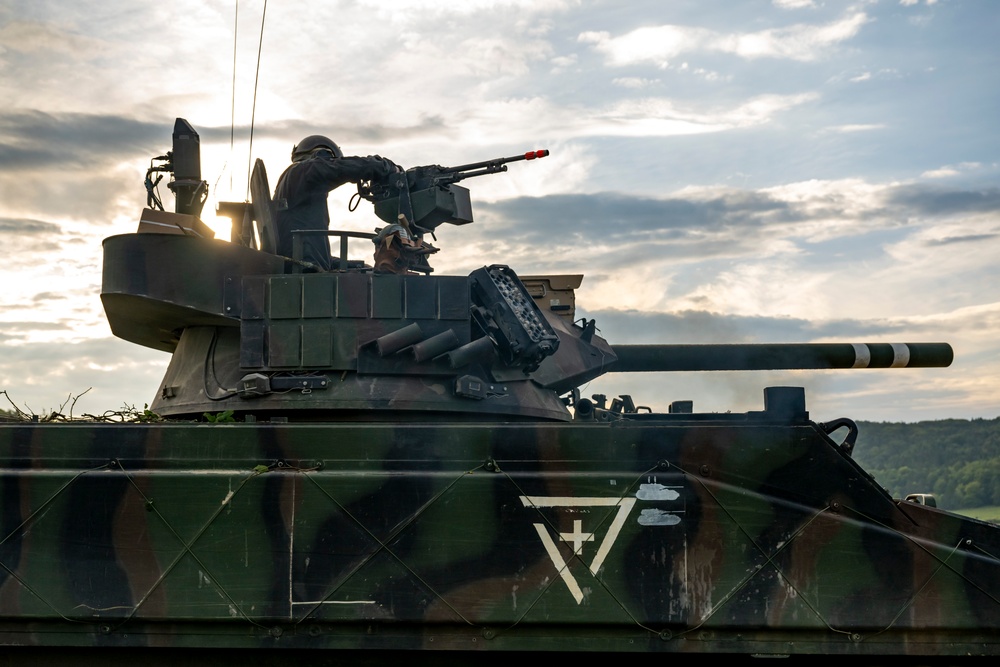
{"type": "Point", "coordinates": [742, 534]}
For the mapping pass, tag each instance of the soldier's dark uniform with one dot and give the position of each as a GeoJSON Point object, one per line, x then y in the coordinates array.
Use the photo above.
{"type": "Point", "coordinates": [302, 190]}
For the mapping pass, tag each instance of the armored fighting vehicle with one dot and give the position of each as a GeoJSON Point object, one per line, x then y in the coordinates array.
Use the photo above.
{"type": "Point", "coordinates": [376, 463]}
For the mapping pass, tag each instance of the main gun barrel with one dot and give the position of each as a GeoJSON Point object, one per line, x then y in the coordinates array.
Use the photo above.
{"type": "Point", "coordinates": [780, 356]}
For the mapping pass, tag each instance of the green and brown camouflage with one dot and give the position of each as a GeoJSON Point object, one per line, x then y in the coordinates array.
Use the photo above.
{"type": "Point", "coordinates": [406, 463]}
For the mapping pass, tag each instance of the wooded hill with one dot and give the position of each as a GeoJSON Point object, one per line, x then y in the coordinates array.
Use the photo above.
{"type": "Point", "coordinates": [955, 459]}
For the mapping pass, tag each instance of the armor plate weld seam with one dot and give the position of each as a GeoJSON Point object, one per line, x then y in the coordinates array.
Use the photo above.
{"type": "Point", "coordinates": [31, 516]}
{"type": "Point", "coordinates": [944, 562]}
{"type": "Point", "coordinates": [364, 561]}
{"type": "Point", "coordinates": [984, 551]}
{"type": "Point", "coordinates": [909, 603]}
{"type": "Point", "coordinates": [187, 549]}
{"type": "Point", "coordinates": [769, 561]}
{"type": "Point", "coordinates": [384, 546]}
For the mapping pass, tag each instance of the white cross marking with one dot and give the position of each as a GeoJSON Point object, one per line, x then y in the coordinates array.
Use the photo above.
{"type": "Point", "coordinates": [577, 537]}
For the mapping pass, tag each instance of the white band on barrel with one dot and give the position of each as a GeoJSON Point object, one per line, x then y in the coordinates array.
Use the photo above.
{"type": "Point", "coordinates": [862, 355]}
{"type": "Point", "coordinates": [900, 355]}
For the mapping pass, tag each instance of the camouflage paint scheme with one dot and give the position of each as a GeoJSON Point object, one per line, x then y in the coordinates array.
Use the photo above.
{"type": "Point", "coordinates": [747, 533]}
{"type": "Point", "coordinates": [403, 474]}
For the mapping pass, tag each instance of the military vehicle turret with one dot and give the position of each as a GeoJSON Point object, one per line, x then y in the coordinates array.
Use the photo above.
{"type": "Point", "coordinates": [376, 458]}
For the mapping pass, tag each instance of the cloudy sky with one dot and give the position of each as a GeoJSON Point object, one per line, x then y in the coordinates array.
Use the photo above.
{"type": "Point", "coordinates": [754, 171]}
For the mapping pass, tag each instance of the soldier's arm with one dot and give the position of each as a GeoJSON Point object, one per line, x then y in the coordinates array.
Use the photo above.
{"type": "Point", "coordinates": [334, 173]}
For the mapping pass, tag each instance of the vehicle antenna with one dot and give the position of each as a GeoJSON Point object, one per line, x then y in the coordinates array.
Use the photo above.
{"type": "Point", "coordinates": [253, 110]}
{"type": "Point", "coordinates": [232, 103]}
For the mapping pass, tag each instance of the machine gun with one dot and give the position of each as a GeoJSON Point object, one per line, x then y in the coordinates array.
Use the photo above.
{"type": "Point", "coordinates": [428, 196]}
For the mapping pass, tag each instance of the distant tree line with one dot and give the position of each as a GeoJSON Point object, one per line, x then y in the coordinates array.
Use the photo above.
{"type": "Point", "coordinates": [955, 459]}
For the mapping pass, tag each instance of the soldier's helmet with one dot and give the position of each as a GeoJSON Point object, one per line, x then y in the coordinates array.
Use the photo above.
{"type": "Point", "coordinates": [313, 142]}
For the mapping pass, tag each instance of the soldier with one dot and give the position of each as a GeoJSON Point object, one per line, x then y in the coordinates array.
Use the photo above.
{"type": "Point", "coordinates": [318, 166]}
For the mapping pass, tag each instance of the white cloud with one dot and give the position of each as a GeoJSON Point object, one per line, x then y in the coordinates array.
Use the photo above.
{"type": "Point", "coordinates": [857, 127]}
{"type": "Point", "coordinates": [43, 38]}
{"type": "Point", "coordinates": [798, 42]}
{"type": "Point", "coordinates": [948, 171]}
{"type": "Point", "coordinates": [710, 75]}
{"type": "Point", "coordinates": [650, 44]}
{"type": "Point", "coordinates": [498, 56]}
{"type": "Point", "coordinates": [663, 117]}
{"type": "Point", "coordinates": [660, 44]}
{"type": "Point", "coordinates": [634, 82]}
{"type": "Point", "coordinates": [884, 73]}
{"type": "Point", "coordinates": [561, 63]}
{"type": "Point", "coordinates": [762, 108]}
{"type": "Point", "coordinates": [943, 172]}
{"type": "Point", "coordinates": [71, 53]}
{"type": "Point", "coordinates": [507, 120]}
{"type": "Point", "coordinates": [794, 4]}
{"type": "Point", "coordinates": [403, 10]}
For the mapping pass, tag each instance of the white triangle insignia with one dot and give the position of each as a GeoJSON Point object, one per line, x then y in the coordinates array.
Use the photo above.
{"type": "Point", "coordinates": [578, 537]}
